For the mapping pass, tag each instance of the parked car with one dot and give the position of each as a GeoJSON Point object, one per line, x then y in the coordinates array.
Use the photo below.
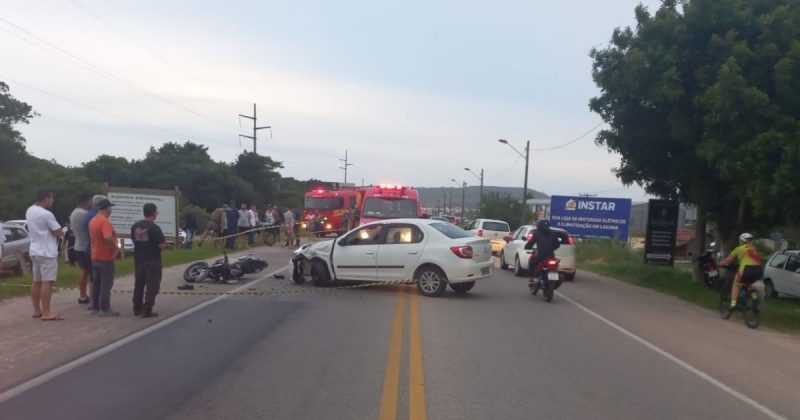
{"type": "Point", "coordinates": [494, 230]}
{"type": "Point", "coordinates": [125, 244]}
{"type": "Point", "coordinates": [16, 240]}
{"type": "Point", "coordinates": [432, 253]}
{"type": "Point", "coordinates": [782, 274]}
{"type": "Point", "coordinates": [515, 255]}
{"type": "Point", "coordinates": [22, 223]}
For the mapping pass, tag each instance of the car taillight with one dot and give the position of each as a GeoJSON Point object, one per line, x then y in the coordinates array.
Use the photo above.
{"type": "Point", "coordinates": [570, 241]}
{"type": "Point", "coordinates": [480, 232]}
{"type": "Point", "coordinates": [530, 236]}
{"type": "Point", "coordinates": [462, 251]}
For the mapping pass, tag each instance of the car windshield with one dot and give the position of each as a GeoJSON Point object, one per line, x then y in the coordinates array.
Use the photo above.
{"type": "Point", "coordinates": [320, 203]}
{"type": "Point", "coordinates": [388, 208]}
{"type": "Point", "coordinates": [451, 231]}
{"type": "Point", "coordinates": [497, 226]}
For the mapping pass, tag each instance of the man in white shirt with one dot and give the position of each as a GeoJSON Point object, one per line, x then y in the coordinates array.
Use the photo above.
{"type": "Point", "coordinates": [44, 233]}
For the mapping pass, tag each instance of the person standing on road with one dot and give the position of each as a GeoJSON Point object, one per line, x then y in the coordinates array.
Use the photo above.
{"type": "Point", "coordinates": [69, 243]}
{"type": "Point", "coordinates": [104, 251]}
{"type": "Point", "coordinates": [82, 245]}
{"type": "Point", "coordinates": [44, 233]}
{"type": "Point", "coordinates": [2, 240]}
{"type": "Point", "coordinates": [289, 222]}
{"type": "Point", "coordinates": [232, 216]}
{"type": "Point", "coordinates": [190, 227]}
{"type": "Point", "coordinates": [148, 242]}
{"type": "Point", "coordinates": [254, 222]}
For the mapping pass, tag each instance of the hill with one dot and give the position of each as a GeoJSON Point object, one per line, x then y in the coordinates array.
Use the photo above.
{"type": "Point", "coordinates": [430, 195]}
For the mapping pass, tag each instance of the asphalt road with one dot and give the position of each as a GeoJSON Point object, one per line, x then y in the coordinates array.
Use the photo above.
{"type": "Point", "coordinates": [602, 349]}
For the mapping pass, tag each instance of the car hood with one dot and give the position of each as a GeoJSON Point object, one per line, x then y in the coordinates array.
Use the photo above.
{"type": "Point", "coordinates": [317, 249]}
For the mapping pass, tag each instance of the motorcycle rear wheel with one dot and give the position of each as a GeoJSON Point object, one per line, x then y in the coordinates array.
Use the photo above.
{"type": "Point", "coordinates": [548, 291]}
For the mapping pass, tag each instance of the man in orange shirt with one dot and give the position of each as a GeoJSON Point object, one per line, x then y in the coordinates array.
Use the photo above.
{"type": "Point", "coordinates": [104, 251]}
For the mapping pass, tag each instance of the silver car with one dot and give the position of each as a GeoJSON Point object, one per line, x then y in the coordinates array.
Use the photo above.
{"type": "Point", "coordinates": [782, 274]}
{"type": "Point", "coordinates": [16, 240]}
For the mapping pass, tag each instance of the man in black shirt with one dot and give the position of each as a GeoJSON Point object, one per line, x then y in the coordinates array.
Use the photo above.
{"type": "Point", "coordinates": [148, 241]}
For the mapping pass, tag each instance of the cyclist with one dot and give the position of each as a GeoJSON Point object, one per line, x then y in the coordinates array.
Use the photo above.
{"type": "Point", "coordinates": [750, 269]}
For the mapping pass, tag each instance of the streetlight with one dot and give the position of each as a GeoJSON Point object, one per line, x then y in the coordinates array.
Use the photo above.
{"type": "Point", "coordinates": [480, 201]}
{"type": "Point", "coordinates": [525, 188]}
{"type": "Point", "coordinates": [463, 196]}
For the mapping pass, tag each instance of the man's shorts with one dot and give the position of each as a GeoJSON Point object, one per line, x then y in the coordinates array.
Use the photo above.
{"type": "Point", "coordinates": [750, 274]}
{"type": "Point", "coordinates": [44, 269]}
{"type": "Point", "coordinates": [83, 260]}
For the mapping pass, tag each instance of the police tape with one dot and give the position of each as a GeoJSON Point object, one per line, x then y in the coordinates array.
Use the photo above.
{"type": "Point", "coordinates": [276, 228]}
{"type": "Point", "coordinates": [264, 293]}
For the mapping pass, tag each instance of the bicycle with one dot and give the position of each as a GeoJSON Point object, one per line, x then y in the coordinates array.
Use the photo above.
{"type": "Point", "coordinates": [748, 302]}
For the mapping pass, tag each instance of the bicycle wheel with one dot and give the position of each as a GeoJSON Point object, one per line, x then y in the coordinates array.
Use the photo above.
{"type": "Point", "coordinates": [752, 313]}
{"type": "Point", "coordinates": [725, 310]}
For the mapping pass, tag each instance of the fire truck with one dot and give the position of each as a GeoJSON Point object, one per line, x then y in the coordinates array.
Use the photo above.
{"type": "Point", "coordinates": [388, 201]}
{"type": "Point", "coordinates": [331, 210]}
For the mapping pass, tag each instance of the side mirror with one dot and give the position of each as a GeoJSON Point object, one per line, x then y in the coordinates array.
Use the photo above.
{"type": "Point", "coordinates": [342, 241]}
{"type": "Point", "coordinates": [507, 239]}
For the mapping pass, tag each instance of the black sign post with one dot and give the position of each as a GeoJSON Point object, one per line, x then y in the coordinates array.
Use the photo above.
{"type": "Point", "coordinates": [662, 232]}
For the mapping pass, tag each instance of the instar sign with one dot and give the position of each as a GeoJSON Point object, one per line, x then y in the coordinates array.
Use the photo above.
{"type": "Point", "coordinates": [591, 217]}
{"type": "Point", "coordinates": [128, 204]}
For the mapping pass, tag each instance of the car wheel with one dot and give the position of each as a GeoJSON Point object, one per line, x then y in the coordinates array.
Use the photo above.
{"type": "Point", "coordinates": [569, 276]}
{"type": "Point", "coordinates": [518, 270]}
{"type": "Point", "coordinates": [769, 289]}
{"type": "Point", "coordinates": [462, 288]}
{"type": "Point", "coordinates": [431, 281]}
{"type": "Point", "coordinates": [503, 264]}
{"type": "Point", "coordinates": [319, 273]}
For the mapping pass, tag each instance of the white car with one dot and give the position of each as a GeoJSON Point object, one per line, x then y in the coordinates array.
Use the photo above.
{"type": "Point", "coordinates": [494, 230]}
{"type": "Point", "coordinates": [514, 252]}
{"type": "Point", "coordinates": [430, 253]}
{"type": "Point", "coordinates": [782, 274]}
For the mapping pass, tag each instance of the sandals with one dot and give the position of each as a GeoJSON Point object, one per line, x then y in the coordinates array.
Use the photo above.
{"type": "Point", "coordinates": [55, 318]}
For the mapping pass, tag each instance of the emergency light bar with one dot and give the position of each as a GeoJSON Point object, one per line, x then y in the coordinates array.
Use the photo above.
{"type": "Point", "coordinates": [390, 187]}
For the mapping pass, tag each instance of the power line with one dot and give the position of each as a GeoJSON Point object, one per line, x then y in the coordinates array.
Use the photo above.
{"type": "Point", "coordinates": [103, 72]}
{"type": "Point", "coordinates": [111, 114]}
{"type": "Point", "coordinates": [569, 142]}
{"type": "Point", "coordinates": [133, 39]}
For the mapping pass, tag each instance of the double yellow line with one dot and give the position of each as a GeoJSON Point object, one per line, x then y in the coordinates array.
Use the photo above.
{"type": "Point", "coordinates": [416, 377]}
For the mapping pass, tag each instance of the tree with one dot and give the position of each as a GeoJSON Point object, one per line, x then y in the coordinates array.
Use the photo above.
{"type": "Point", "coordinates": [702, 103]}
{"type": "Point", "coordinates": [116, 171]}
{"type": "Point", "coordinates": [261, 172]}
{"type": "Point", "coordinates": [496, 206]}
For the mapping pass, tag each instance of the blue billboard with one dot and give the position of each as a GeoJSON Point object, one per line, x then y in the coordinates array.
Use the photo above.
{"type": "Point", "coordinates": [591, 217]}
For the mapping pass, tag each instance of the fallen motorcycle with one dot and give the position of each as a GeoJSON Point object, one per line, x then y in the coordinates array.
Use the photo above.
{"type": "Point", "coordinates": [223, 270]}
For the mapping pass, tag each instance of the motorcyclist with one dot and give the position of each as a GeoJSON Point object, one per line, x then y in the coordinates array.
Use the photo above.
{"type": "Point", "coordinates": [750, 269]}
{"type": "Point", "coordinates": [546, 243]}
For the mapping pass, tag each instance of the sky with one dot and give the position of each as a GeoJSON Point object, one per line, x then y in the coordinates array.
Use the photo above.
{"type": "Point", "coordinates": [415, 91]}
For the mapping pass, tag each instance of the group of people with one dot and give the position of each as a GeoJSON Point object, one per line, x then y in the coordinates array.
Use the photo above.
{"type": "Point", "coordinates": [242, 224]}
{"type": "Point", "coordinates": [95, 250]}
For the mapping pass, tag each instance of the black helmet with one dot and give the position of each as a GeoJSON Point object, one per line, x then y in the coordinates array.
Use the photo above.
{"type": "Point", "coordinates": [543, 225]}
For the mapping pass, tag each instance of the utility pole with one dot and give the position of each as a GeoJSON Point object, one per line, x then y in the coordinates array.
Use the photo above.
{"type": "Point", "coordinates": [463, 198]}
{"type": "Point", "coordinates": [451, 200]}
{"type": "Point", "coordinates": [525, 188]}
{"type": "Point", "coordinates": [345, 167]}
{"type": "Point", "coordinates": [254, 137]}
{"type": "Point", "coordinates": [480, 202]}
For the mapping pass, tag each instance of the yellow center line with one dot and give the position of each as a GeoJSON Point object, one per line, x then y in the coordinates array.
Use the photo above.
{"type": "Point", "coordinates": [416, 381]}
{"type": "Point", "coordinates": [391, 382]}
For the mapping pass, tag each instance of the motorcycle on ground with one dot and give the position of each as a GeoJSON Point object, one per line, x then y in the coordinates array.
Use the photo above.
{"type": "Point", "coordinates": [545, 277]}
{"type": "Point", "coordinates": [224, 271]}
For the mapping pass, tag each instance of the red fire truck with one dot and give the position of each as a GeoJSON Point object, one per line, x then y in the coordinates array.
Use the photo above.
{"type": "Point", "coordinates": [331, 210]}
{"type": "Point", "coordinates": [387, 201]}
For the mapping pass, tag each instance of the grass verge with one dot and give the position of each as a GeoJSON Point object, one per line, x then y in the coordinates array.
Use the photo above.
{"type": "Point", "coordinates": [612, 259]}
{"type": "Point", "coordinates": [69, 276]}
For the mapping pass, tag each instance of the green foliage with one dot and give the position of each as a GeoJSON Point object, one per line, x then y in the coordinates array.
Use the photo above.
{"type": "Point", "coordinates": [702, 100]}
{"type": "Point", "coordinates": [507, 209]}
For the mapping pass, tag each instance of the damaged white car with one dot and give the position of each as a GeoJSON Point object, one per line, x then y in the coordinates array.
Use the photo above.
{"type": "Point", "coordinates": [431, 253]}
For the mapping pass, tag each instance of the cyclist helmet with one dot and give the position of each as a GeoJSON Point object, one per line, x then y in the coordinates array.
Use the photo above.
{"type": "Point", "coordinates": [745, 237]}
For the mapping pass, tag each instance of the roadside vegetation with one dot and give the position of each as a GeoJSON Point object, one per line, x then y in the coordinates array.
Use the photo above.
{"type": "Point", "coordinates": [614, 259]}
{"type": "Point", "coordinates": [68, 276]}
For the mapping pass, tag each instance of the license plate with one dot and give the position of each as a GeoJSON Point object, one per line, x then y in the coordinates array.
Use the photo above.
{"type": "Point", "coordinates": [552, 275]}
{"type": "Point", "coordinates": [714, 273]}
{"type": "Point", "coordinates": [485, 270]}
